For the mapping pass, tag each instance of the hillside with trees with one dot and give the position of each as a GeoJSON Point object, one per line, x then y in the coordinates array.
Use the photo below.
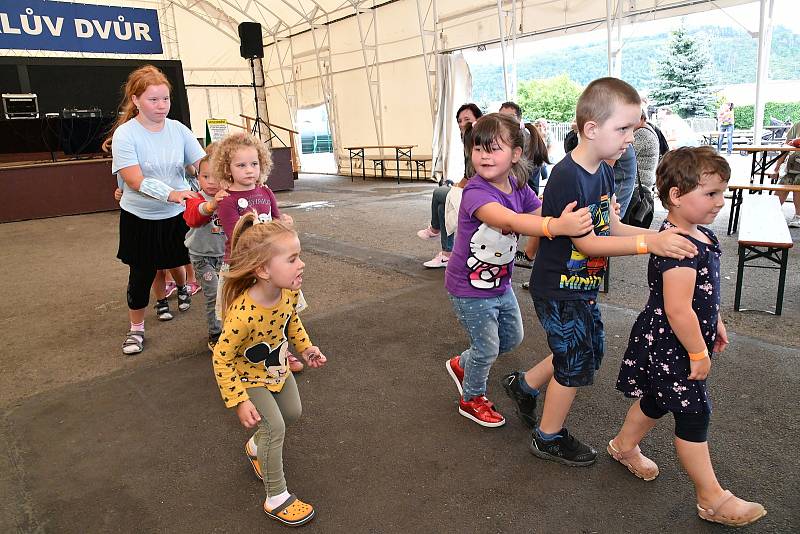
{"type": "Point", "coordinates": [732, 51]}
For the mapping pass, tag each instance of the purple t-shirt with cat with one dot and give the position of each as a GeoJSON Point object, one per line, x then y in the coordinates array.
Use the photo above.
{"type": "Point", "coordinates": [483, 257]}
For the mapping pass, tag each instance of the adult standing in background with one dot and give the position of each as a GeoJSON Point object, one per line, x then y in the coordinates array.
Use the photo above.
{"type": "Point", "coordinates": [543, 127]}
{"type": "Point", "coordinates": [150, 153]}
{"type": "Point", "coordinates": [645, 144]}
{"type": "Point", "coordinates": [725, 121]}
{"type": "Point", "coordinates": [465, 116]}
{"type": "Point", "coordinates": [624, 178]}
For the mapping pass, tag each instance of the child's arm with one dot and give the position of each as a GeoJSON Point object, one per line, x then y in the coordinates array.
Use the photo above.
{"type": "Point", "coordinates": [231, 339]}
{"type": "Point", "coordinates": [531, 246]}
{"type": "Point", "coordinates": [194, 215]}
{"type": "Point", "coordinates": [299, 338]}
{"type": "Point", "coordinates": [679, 286]}
{"type": "Point", "coordinates": [570, 222]}
{"type": "Point", "coordinates": [228, 215]}
{"type": "Point", "coordinates": [668, 243]}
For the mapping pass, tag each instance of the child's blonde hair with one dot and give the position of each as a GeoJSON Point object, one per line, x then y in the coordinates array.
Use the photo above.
{"type": "Point", "coordinates": [498, 126]}
{"type": "Point", "coordinates": [684, 167]}
{"type": "Point", "coordinates": [601, 97]}
{"type": "Point", "coordinates": [210, 149]}
{"type": "Point", "coordinates": [252, 246]}
{"type": "Point", "coordinates": [223, 154]}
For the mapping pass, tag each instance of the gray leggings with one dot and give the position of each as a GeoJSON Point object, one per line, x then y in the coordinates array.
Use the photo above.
{"type": "Point", "coordinates": [278, 410]}
{"type": "Point", "coordinates": [206, 270]}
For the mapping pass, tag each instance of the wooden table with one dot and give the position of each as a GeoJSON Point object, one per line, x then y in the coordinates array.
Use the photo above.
{"type": "Point", "coordinates": [738, 186]}
{"type": "Point", "coordinates": [760, 167]}
{"type": "Point", "coordinates": [360, 151]}
{"type": "Point", "coordinates": [764, 235]}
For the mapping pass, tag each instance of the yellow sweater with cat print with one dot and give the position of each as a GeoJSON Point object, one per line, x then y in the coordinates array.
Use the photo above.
{"type": "Point", "coordinates": [253, 345]}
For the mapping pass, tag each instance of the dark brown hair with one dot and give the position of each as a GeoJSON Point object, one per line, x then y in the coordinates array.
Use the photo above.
{"type": "Point", "coordinates": [476, 111]}
{"type": "Point", "coordinates": [598, 101]}
{"type": "Point", "coordinates": [498, 126]}
{"type": "Point", "coordinates": [684, 167]}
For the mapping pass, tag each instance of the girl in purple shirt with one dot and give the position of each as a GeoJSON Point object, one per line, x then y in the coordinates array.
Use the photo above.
{"type": "Point", "coordinates": [496, 207]}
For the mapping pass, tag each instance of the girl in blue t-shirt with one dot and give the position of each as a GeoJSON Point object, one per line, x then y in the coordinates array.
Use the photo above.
{"type": "Point", "coordinates": [496, 206]}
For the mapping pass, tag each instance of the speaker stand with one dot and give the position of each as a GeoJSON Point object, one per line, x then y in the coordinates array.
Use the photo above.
{"type": "Point", "coordinates": [257, 124]}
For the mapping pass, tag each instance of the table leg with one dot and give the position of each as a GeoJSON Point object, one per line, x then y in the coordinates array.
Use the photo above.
{"type": "Point", "coordinates": [739, 272]}
{"type": "Point", "coordinates": [351, 163]}
{"type": "Point", "coordinates": [739, 200]}
{"type": "Point", "coordinates": [753, 167]}
{"type": "Point", "coordinates": [733, 211]}
{"type": "Point", "coordinates": [782, 280]}
{"type": "Point", "coordinates": [363, 164]}
{"type": "Point", "coordinates": [763, 166]}
{"type": "Point", "coordinates": [397, 161]}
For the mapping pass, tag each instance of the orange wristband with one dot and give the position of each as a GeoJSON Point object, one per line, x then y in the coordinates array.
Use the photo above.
{"type": "Point", "coordinates": [546, 228]}
{"type": "Point", "coordinates": [697, 356]}
{"type": "Point", "coordinates": [641, 244]}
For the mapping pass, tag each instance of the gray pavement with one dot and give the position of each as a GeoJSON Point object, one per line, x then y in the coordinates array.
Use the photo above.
{"type": "Point", "coordinates": [98, 442]}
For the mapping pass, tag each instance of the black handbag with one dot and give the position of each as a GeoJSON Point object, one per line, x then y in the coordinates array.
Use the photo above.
{"type": "Point", "coordinates": [641, 207]}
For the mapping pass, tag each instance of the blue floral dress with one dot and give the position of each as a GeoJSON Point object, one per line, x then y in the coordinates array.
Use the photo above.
{"type": "Point", "coordinates": [655, 362]}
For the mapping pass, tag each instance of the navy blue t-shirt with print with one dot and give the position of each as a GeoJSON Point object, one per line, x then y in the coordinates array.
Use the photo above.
{"type": "Point", "coordinates": [560, 271]}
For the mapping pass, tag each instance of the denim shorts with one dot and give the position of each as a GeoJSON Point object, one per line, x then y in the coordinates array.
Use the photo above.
{"type": "Point", "coordinates": [575, 335]}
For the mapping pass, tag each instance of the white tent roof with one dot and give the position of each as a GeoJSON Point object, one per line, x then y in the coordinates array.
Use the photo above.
{"type": "Point", "coordinates": [372, 63]}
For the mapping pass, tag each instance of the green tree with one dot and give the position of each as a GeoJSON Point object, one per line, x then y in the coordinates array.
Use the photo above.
{"type": "Point", "coordinates": [684, 77]}
{"type": "Point", "coordinates": [553, 99]}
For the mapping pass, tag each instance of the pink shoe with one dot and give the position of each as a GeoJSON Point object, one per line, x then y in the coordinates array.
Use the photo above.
{"type": "Point", "coordinates": [170, 288]}
{"type": "Point", "coordinates": [194, 287]}
{"type": "Point", "coordinates": [439, 261]}
{"type": "Point", "coordinates": [428, 233]}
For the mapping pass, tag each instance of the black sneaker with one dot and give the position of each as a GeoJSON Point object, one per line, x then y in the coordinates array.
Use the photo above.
{"type": "Point", "coordinates": [522, 260]}
{"type": "Point", "coordinates": [565, 449]}
{"type": "Point", "coordinates": [525, 402]}
{"type": "Point", "coordinates": [162, 310]}
{"type": "Point", "coordinates": [184, 297]}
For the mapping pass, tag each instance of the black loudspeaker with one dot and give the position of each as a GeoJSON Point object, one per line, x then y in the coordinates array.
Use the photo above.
{"type": "Point", "coordinates": [252, 43]}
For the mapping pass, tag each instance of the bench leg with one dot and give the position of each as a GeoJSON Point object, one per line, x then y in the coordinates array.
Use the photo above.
{"type": "Point", "coordinates": [782, 280]}
{"type": "Point", "coordinates": [739, 200]}
{"type": "Point", "coordinates": [739, 272]}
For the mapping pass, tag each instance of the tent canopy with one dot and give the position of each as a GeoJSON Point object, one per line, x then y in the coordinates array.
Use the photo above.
{"type": "Point", "coordinates": [372, 63]}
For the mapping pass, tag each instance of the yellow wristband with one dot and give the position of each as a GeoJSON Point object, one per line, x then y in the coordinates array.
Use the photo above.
{"type": "Point", "coordinates": [546, 228]}
{"type": "Point", "coordinates": [697, 356]}
{"type": "Point", "coordinates": [641, 244]}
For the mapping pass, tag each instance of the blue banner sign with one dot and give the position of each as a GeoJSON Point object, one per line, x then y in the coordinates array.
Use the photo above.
{"type": "Point", "coordinates": [72, 27]}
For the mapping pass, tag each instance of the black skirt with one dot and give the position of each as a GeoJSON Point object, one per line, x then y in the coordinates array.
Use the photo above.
{"type": "Point", "coordinates": [152, 243]}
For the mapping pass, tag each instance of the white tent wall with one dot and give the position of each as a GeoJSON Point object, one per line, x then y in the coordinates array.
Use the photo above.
{"type": "Point", "coordinates": [391, 74]}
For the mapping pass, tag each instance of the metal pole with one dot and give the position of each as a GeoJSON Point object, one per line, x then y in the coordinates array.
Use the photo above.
{"type": "Point", "coordinates": [764, 45]}
{"type": "Point", "coordinates": [502, 45]}
{"type": "Point", "coordinates": [608, 35]}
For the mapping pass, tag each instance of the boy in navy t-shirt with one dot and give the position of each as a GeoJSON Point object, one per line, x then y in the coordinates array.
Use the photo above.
{"type": "Point", "coordinates": [568, 271]}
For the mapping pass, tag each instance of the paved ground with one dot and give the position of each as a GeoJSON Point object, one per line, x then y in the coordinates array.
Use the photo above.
{"type": "Point", "coordinates": [96, 442]}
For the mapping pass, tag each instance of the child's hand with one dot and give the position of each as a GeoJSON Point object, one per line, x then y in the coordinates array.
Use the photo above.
{"type": "Point", "coordinates": [671, 244]}
{"type": "Point", "coordinates": [574, 223]}
{"type": "Point", "coordinates": [286, 218]}
{"type": "Point", "coordinates": [222, 193]}
{"type": "Point", "coordinates": [248, 415]}
{"type": "Point", "coordinates": [314, 357]}
{"type": "Point", "coordinates": [721, 340]}
{"type": "Point", "coordinates": [118, 194]}
{"type": "Point", "coordinates": [699, 369]}
{"type": "Point", "coordinates": [617, 207]}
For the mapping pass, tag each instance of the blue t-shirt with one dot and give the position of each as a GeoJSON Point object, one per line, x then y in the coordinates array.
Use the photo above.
{"type": "Point", "coordinates": [483, 256]}
{"type": "Point", "coordinates": [161, 155]}
{"type": "Point", "coordinates": [560, 271]}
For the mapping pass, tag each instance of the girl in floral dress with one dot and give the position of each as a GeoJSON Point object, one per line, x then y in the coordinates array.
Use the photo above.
{"type": "Point", "coordinates": [668, 356]}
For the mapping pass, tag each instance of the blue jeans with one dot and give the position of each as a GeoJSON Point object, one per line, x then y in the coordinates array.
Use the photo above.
{"type": "Point", "coordinates": [437, 217]}
{"type": "Point", "coordinates": [623, 187]}
{"type": "Point", "coordinates": [728, 128]}
{"type": "Point", "coordinates": [206, 270]}
{"type": "Point", "coordinates": [494, 326]}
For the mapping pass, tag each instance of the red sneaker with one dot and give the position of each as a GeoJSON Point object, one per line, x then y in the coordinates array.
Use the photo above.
{"type": "Point", "coordinates": [481, 410]}
{"type": "Point", "coordinates": [456, 372]}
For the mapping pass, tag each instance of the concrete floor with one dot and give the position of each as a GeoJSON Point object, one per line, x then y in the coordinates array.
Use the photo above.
{"type": "Point", "coordinates": [98, 442]}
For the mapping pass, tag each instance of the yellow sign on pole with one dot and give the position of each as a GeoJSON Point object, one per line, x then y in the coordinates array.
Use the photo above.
{"type": "Point", "coordinates": [216, 129]}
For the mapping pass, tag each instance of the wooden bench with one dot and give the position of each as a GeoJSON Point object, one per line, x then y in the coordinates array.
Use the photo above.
{"type": "Point", "coordinates": [764, 234]}
{"type": "Point", "coordinates": [738, 186]}
{"type": "Point", "coordinates": [415, 164]}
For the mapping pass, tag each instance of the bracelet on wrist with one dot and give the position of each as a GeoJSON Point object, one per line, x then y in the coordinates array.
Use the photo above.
{"type": "Point", "coordinates": [641, 244]}
{"type": "Point", "coordinates": [546, 228]}
{"type": "Point", "coordinates": [697, 356]}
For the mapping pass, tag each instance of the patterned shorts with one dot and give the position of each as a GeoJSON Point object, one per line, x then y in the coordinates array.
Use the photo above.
{"type": "Point", "coordinates": [575, 335]}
